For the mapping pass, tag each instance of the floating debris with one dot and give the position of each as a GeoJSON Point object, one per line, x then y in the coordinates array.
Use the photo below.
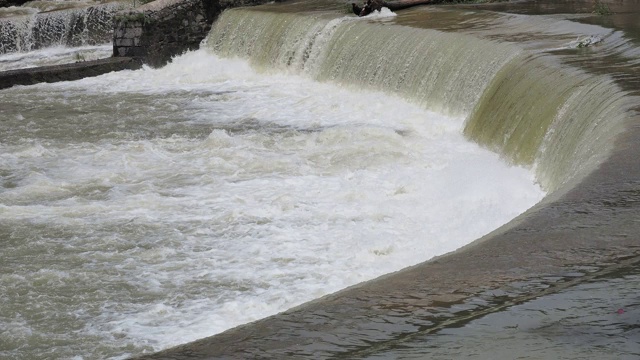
{"type": "Point", "coordinates": [585, 42]}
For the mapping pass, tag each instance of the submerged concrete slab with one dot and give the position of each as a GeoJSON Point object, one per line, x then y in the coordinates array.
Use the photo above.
{"type": "Point", "coordinates": [66, 72]}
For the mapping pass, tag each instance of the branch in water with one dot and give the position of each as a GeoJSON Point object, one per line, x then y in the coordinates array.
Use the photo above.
{"type": "Point", "coordinates": [373, 5]}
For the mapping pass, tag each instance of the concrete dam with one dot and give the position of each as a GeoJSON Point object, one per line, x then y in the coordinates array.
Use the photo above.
{"type": "Point", "coordinates": [442, 181]}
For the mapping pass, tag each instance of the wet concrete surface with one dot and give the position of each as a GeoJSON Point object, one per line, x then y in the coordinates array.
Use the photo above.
{"type": "Point", "coordinates": [586, 231]}
{"type": "Point", "coordinates": [599, 318]}
{"type": "Point", "coordinates": [66, 72]}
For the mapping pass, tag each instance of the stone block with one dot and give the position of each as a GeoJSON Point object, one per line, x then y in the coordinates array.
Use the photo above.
{"type": "Point", "coordinates": [137, 51]}
{"type": "Point", "coordinates": [124, 42]}
{"type": "Point", "coordinates": [133, 32]}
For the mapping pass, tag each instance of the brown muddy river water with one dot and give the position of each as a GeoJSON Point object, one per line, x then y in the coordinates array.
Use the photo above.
{"type": "Point", "coordinates": [302, 151]}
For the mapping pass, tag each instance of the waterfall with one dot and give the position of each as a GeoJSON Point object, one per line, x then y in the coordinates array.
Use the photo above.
{"type": "Point", "coordinates": [71, 27]}
{"type": "Point", "coordinates": [444, 72]}
{"type": "Point", "coordinates": [291, 157]}
{"type": "Point", "coordinates": [523, 105]}
{"type": "Point", "coordinates": [562, 119]}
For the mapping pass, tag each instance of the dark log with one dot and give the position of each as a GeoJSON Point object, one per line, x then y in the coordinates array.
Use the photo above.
{"type": "Point", "coordinates": [372, 5]}
{"type": "Point", "coordinates": [356, 9]}
{"type": "Point", "coordinates": [403, 4]}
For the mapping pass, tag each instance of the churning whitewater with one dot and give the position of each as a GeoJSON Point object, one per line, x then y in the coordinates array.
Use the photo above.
{"type": "Point", "coordinates": [144, 209]}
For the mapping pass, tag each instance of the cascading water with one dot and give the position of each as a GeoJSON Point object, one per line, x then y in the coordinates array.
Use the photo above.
{"type": "Point", "coordinates": [182, 201]}
{"type": "Point", "coordinates": [72, 27]}
{"type": "Point", "coordinates": [562, 119]}
{"type": "Point", "coordinates": [140, 210]}
{"type": "Point", "coordinates": [533, 111]}
{"type": "Point", "coordinates": [453, 68]}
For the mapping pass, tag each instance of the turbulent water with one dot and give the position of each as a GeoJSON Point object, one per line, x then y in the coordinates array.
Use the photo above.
{"type": "Point", "coordinates": [518, 100]}
{"type": "Point", "coordinates": [24, 29]}
{"type": "Point", "coordinates": [55, 55]}
{"type": "Point", "coordinates": [80, 32]}
{"type": "Point", "coordinates": [293, 156]}
{"type": "Point", "coordinates": [140, 210]}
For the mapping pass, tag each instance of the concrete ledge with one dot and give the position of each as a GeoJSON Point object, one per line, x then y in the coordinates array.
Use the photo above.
{"type": "Point", "coordinates": [66, 72]}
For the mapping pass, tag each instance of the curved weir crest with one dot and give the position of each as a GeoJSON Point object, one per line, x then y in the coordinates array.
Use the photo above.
{"type": "Point", "coordinates": [453, 69]}
{"type": "Point", "coordinates": [518, 103]}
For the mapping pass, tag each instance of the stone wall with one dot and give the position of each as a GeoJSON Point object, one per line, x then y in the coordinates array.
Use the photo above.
{"type": "Point", "coordinates": [157, 31]}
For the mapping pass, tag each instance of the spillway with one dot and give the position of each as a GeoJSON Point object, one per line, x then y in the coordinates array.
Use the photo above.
{"type": "Point", "coordinates": [296, 173]}
{"type": "Point", "coordinates": [519, 104]}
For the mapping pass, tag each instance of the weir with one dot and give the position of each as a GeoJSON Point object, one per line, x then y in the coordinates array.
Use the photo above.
{"type": "Point", "coordinates": [520, 81]}
{"type": "Point", "coordinates": [90, 25]}
{"type": "Point", "coordinates": [524, 99]}
{"type": "Point", "coordinates": [519, 103]}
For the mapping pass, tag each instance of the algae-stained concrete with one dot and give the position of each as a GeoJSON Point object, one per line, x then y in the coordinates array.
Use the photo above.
{"type": "Point", "coordinates": [66, 72]}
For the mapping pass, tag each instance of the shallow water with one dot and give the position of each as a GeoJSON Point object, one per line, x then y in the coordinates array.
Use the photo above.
{"type": "Point", "coordinates": [140, 210]}
{"type": "Point", "coordinates": [599, 319]}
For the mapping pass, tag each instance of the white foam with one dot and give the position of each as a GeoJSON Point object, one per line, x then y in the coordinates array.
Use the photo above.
{"type": "Point", "coordinates": [295, 189]}
{"type": "Point", "coordinates": [381, 14]}
{"type": "Point", "coordinates": [54, 55]}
